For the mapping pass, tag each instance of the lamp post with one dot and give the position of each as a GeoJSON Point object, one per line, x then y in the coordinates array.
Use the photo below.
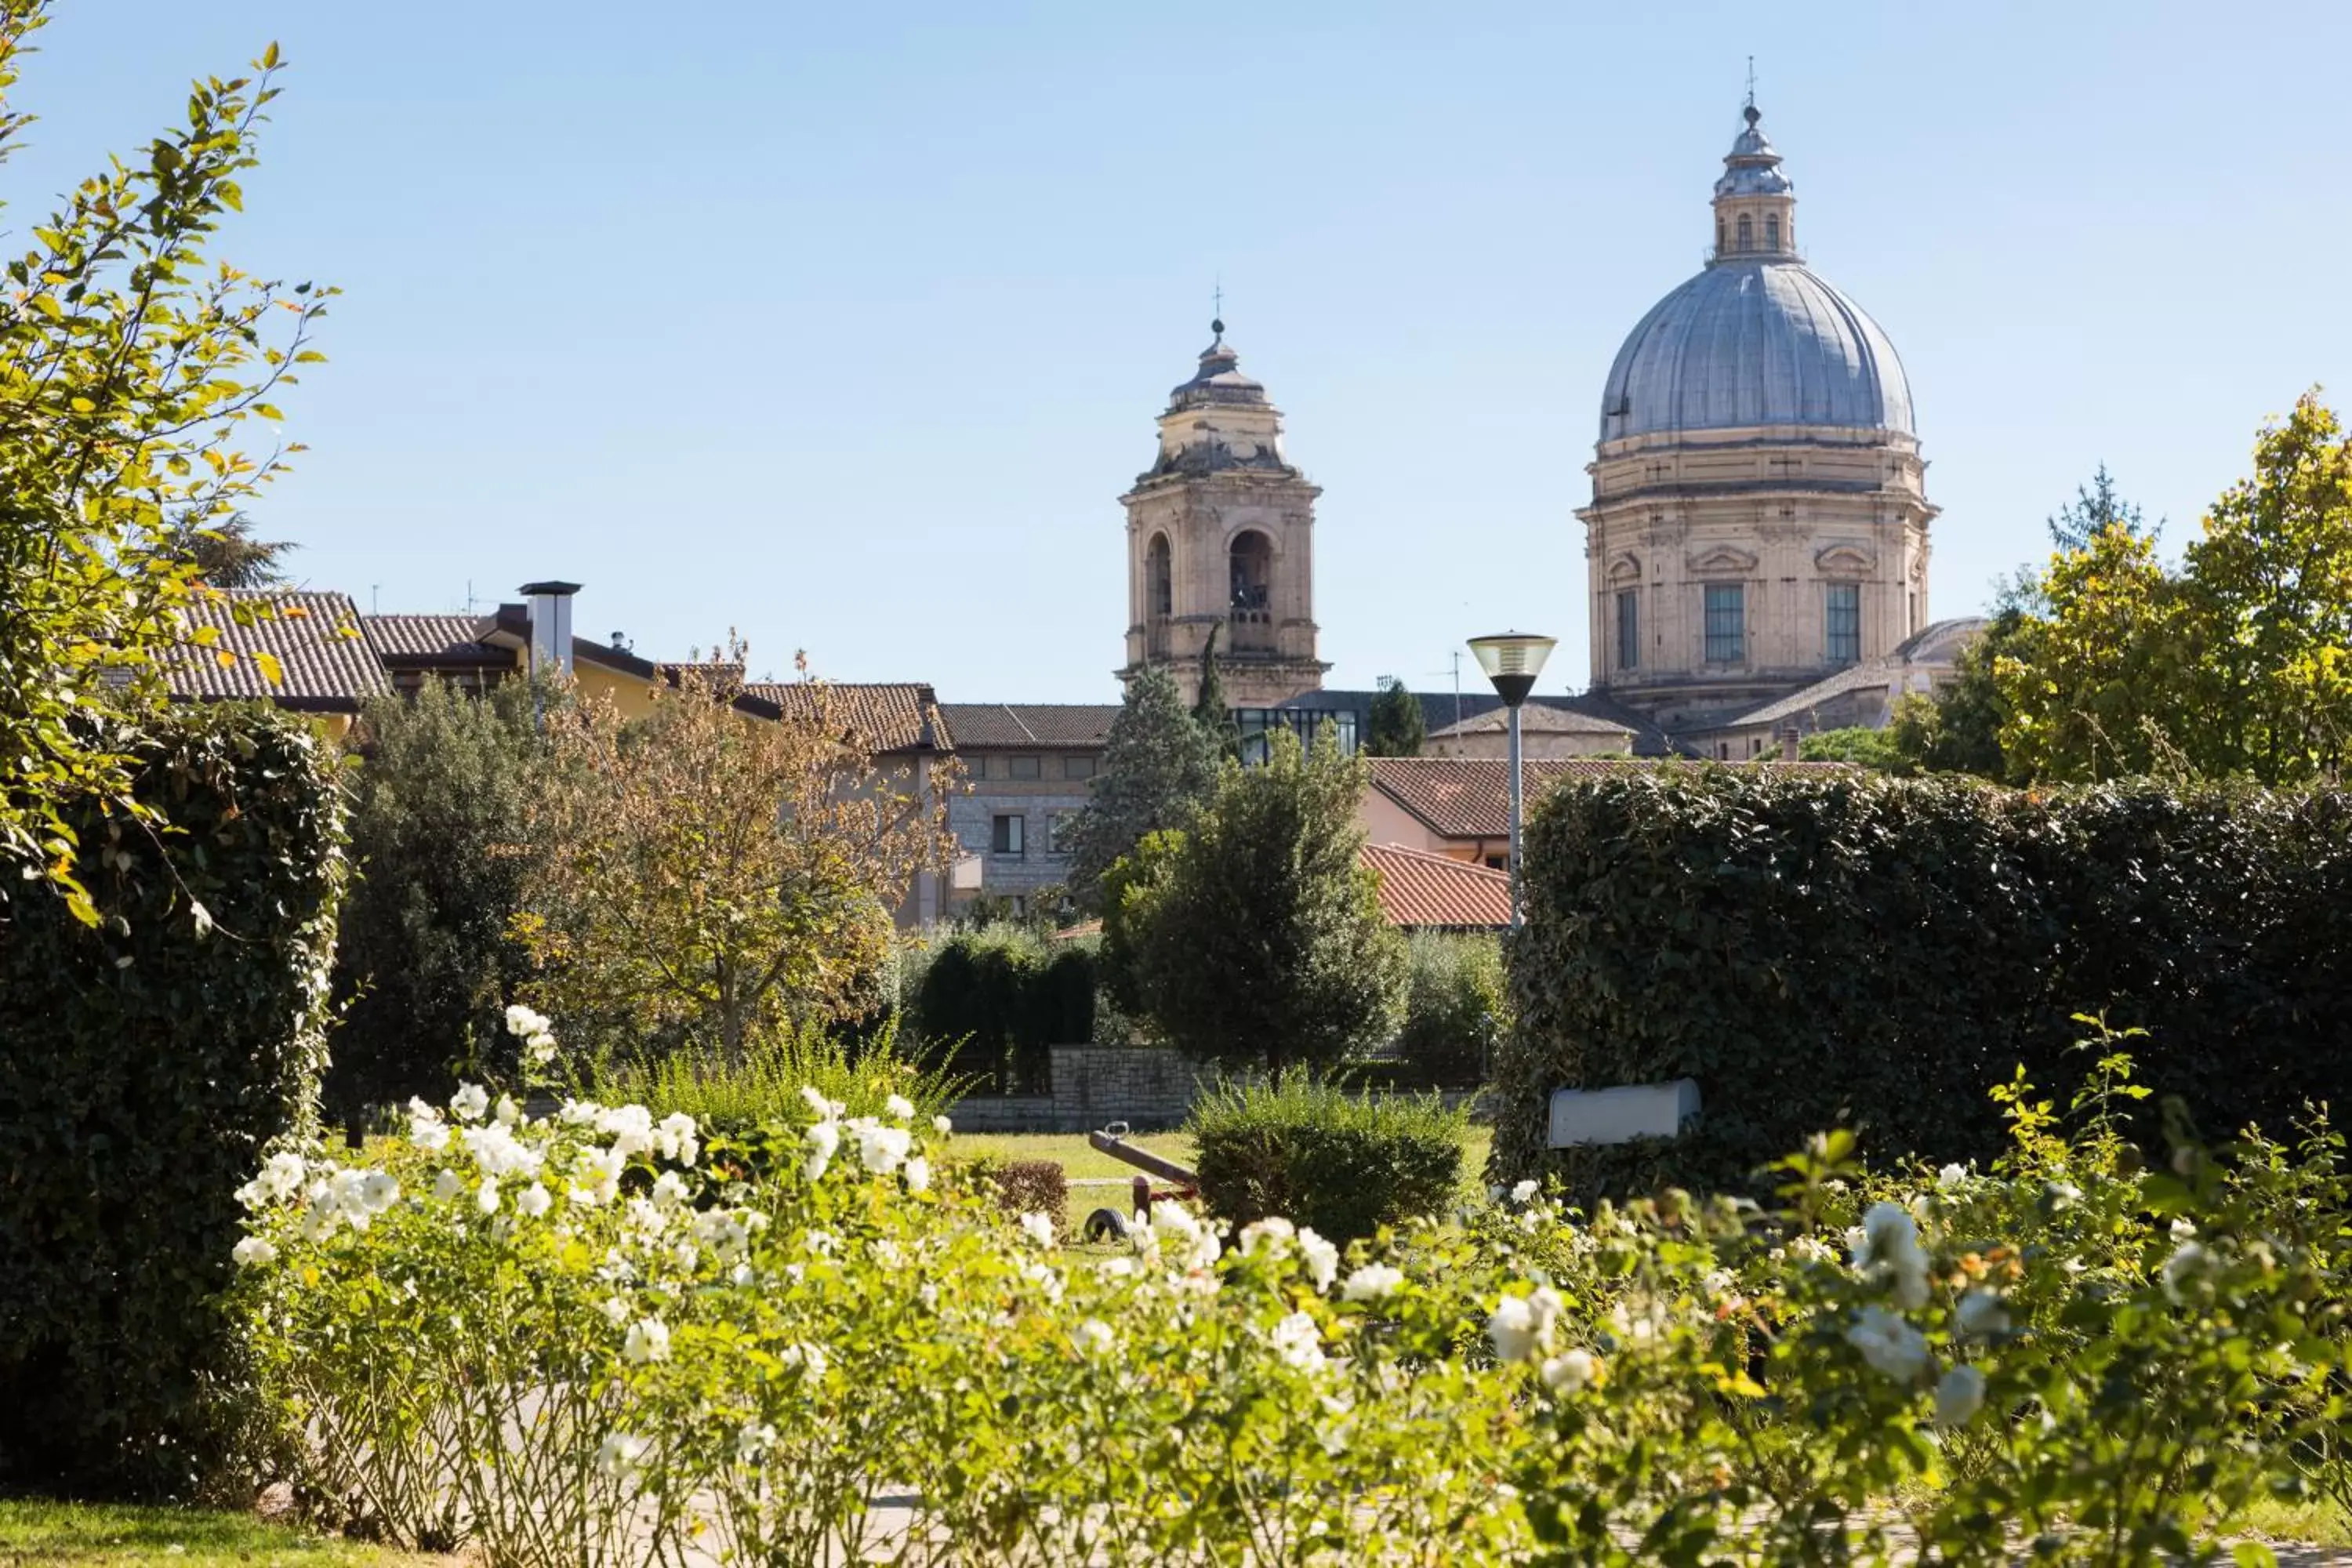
{"type": "Point", "coordinates": [1512, 660]}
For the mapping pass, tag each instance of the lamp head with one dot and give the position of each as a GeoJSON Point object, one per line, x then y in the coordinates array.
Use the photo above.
{"type": "Point", "coordinates": [1512, 660]}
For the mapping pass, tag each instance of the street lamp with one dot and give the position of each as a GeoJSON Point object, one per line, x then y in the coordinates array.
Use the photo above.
{"type": "Point", "coordinates": [1512, 661]}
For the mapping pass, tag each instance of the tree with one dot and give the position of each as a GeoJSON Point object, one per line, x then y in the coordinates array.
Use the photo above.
{"type": "Point", "coordinates": [2095, 509]}
{"type": "Point", "coordinates": [1856, 746]}
{"type": "Point", "coordinates": [1158, 766]}
{"type": "Point", "coordinates": [1259, 938]}
{"type": "Point", "coordinates": [708, 873]}
{"type": "Point", "coordinates": [1209, 710]}
{"type": "Point", "coordinates": [1957, 727]}
{"type": "Point", "coordinates": [129, 359]}
{"type": "Point", "coordinates": [2093, 689]}
{"type": "Point", "coordinates": [424, 964]}
{"type": "Point", "coordinates": [2269, 595]}
{"type": "Point", "coordinates": [224, 554]}
{"type": "Point", "coordinates": [1398, 727]}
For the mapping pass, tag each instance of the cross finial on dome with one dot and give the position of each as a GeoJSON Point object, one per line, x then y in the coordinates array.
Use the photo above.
{"type": "Point", "coordinates": [1753, 113]}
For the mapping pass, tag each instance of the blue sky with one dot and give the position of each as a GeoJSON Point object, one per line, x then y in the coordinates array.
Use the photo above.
{"type": "Point", "coordinates": [845, 326]}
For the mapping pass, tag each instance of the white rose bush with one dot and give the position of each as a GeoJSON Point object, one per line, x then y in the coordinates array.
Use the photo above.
{"type": "Point", "coordinates": [597, 1337]}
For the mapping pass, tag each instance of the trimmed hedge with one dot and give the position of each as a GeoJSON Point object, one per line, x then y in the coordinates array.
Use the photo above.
{"type": "Point", "coordinates": [144, 1067]}
{"type": "Point", "coordinates": [1310, 1151]}
{"type": "Point", "coordinates": [1455, 1010]}
{"type": "Point", "coordinates": [1876, 954]}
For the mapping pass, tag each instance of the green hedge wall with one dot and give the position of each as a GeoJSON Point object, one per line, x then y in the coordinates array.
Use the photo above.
{"type": "Point", "coordinates": [143, 1068]}
{"type": "Point", "coordinates": [1001, 996]}
{"type": "Point", "coordinates": [1877, 953]}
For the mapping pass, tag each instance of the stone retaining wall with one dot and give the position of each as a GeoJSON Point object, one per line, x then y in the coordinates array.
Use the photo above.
{"type": "Point", "coordinates": [1150, 1088]}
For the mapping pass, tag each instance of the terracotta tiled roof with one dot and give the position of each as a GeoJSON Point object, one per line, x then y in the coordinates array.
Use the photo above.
{"type": "Point", "coordinates": [1469, 797]}
{"type": "Point", "coordinates": [1418, 889]}
{"type": "Point", "coordinates": [315, 636]}
{"type": "Point", "coordinates": [1028, 723]}
{"type": "Point", "coordinates": [427, 636]}
{"type": "Point", "coordinates": [893, 716]}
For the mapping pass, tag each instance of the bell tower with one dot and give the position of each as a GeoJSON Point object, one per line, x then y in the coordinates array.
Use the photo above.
{"type": "Point", "coordinates": [1220, 540]}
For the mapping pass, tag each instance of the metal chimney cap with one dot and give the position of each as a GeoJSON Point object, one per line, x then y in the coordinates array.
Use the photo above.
{"type": "Point", "coordinates": [535, 590]}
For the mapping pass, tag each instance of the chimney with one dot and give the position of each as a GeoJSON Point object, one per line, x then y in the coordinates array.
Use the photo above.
{"type": "Point", "coordinates": [550, 605]}
{"type": "Point", "coordinates": [1788, 744]}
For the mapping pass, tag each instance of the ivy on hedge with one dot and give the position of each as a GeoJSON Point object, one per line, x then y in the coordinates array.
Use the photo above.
{"type": "Point", "coordinates": [143, 1068]}
{"type": "Point", "coordinates": [1876, 952]}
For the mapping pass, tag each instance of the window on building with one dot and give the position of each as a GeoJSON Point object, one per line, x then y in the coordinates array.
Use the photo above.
{"type": "Point", "coordinates": [1629, 631]}
{"type": "Point", "coordinates": [1772, 231]}
{"type": "Point", "coordinates": [1023, 768]}
{"type": "Point", "coordinates": [1747, 233]}
{"type": "Point", "coordinates": [1078, 767]}
{"type": "Point", "coordinates": [1844, 621]}
{"type": "Point", "coordinates": [979, 769]}
{"type": "Point", "coordinates": [1058, 827]}
{"type": "Point", "coordinates": [1726, 622]}
{"type": "Point", "coordinates": [1913, 625]}
{"type": "Point", "coordinates": [1007, 836]}
{"type": "Point", "coordinates": [1723, 751]}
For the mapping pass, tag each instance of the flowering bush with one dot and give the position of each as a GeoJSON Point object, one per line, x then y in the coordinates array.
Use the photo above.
{"type": "Point", "coordinates": [574, 1342]}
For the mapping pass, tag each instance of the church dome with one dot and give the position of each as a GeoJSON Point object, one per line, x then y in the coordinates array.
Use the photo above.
{"type": "Point", "coordinates": [1758, 338]}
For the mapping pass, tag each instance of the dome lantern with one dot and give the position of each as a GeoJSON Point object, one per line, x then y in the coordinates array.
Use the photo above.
{"type": "Point", "coordinates": [1755, 204]}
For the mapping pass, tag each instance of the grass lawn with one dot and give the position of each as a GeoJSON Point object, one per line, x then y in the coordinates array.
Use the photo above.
{"type": "Point", "coordinates": [85, 1535]}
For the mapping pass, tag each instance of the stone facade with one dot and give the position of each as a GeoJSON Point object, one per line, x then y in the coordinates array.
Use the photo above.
{"type": "Point", "coordinates": [1221, 541]}
{"type": "Point", "coordinates": [1041, 806]}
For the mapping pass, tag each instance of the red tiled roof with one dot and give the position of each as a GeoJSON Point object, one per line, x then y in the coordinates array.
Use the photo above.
{"type": "Point", "coordinates": [893, 716]}
{"type": "Point", "coordinates": [1418, 889]}
{"type": "Point", "coordinates": [427, 636]}
{"type": "Point", "coordinates": [1018, 724]}
{"type": "Point", "coordinates": [1469, 797]}
{"type": "Point", "coordinates": [314, 636]}
{"type": "Point", "coordinates": [1537, 718]}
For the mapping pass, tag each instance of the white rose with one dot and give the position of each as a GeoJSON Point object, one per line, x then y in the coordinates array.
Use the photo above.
{"type": "Point", "coordinates": [1037, 1228]}
{"type": "Point", "coordinates": [1298, 1342]}
{"type": "Point", "coordinates": [521, 1020]}
{"type": "Point", "coordinates": [1526, 1190]}
{"type": "Point", "coordinates": [677, 1137]}
{"type": "Point", "coordinates": [253, 1250]}
{"type": "Point", "coordinates": [1952, 1177]}
{"type": "Point", "coordinates": [881, 1150]}
{"type": "Point", "coordinates": [1959, 1394]}
{"type": "Point", "coordinates": [1372, 1283]}
{"type": "Point", "coordinates": [533, 1201]}
{"type": "Point", "coordinates": [470, 1104]}
{"type": "Point", "coordinates": [620, 1455]}
{"type": "Point", "coordinates": [447, 1185]}
{"type": "Point", "coordinates": [1322, 1258]}
{"type": "Point", "coordinates": [1095, 1337]}
{"type": "Point", "coordinates": [1569, 1372]}
{"type": "Point", "coordinates": [822, 1139]}
{"type": "Point", "coordinates": [917, 1171]}
{"type": "Point", "coordinates": [942, 1126]}
{"type": "Point", "coordinates": [1888, 1344]}
{"type": "Point", "coordinates": [670, 1190]}
{"type": "Point", "coordinates": [899, 1105]}
{"type": "Point", "coordinates": [647, 1340]}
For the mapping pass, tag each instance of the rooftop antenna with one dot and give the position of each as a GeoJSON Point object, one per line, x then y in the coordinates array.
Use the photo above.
{"type": "Point", "coordinates": [469, 596]}
{"type": "Point", "coordinates": [1751, 81]}
{"type": "Point", "coordinates": [1217, 307]}
{"type": "Point", "coordinates": [375, 595]}
{"type": "Point", "coordinates": [1456, 673]}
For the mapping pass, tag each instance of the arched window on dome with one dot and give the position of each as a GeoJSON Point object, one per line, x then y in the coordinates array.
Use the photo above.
{"type": "Point", "coordinates": [1747, 233]}
{"type": "Point", "coordinates": [1772, 231]}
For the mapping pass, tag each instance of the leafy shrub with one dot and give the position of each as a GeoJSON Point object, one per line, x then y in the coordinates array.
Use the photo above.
{"type": "Point", "coordinates": [1456, 1007]}
{"type": "Point", "coordinates": [1032, 1186]}
{"type": "Point", "coordinates": [767, 1085]}
{"type": "Point", "coordinates": [1004, 995]}
{"type": "Point", "coordinates": [1307, 1150]}
{"type": "Point", "coordinates": [1864, 951]}
{"type": "Point", "coordinates": [2083, 1352]}
{"type": "Point", "coordinates": [144, 1067]}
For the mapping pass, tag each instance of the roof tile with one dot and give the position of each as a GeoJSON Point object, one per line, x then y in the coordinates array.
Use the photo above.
{"type": "Point", "coordinates": [1419, 889]}
{"type": "Point", "coordinates": [991, 724]}
{"type": "Point", "coordinates": [889, 716]}
{"type": "Point", "coordinates": [315, 637]}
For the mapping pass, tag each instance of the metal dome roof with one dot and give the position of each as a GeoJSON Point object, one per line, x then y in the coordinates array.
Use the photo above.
{"type": "Point", "coordinates": [1761, 341]}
